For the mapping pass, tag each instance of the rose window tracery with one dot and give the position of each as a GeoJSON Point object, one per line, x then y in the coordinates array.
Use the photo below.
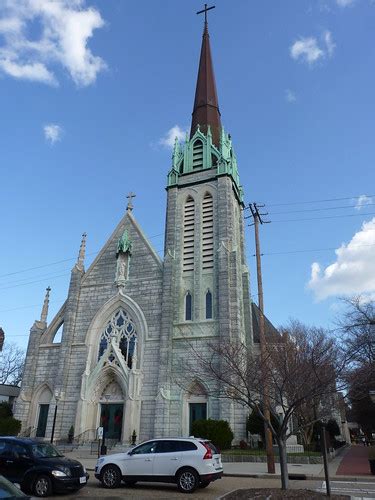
{"type": "Point", "coordinates": [121, 329]}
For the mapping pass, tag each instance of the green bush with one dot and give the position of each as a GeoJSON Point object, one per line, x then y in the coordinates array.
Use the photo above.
{"type": "Point", "coordinates": [9, 426]}
{"type": "Point", "coordinates": [217, 431]}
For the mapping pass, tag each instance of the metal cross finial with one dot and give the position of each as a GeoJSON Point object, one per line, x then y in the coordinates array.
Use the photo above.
{"type": "Point", "coordinates": [205, 10]}
{"type": "Point", "coordinates": [130, 202]}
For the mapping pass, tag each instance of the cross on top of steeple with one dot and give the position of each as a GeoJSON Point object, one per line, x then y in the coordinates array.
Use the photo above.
{"type": "Point", "coordinates": [205, 10]}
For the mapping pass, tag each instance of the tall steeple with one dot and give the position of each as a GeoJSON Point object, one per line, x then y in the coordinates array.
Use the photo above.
{"type": "Point", "coordinates": [206, 105]}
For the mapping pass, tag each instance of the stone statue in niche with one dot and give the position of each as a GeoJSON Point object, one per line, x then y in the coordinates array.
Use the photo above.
{"type": "Point", "coordinates": [123, 255]}
{"type": "Point", "coordinates": [124, 244]}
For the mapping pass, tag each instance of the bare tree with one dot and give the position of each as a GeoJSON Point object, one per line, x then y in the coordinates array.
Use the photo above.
{"type": "Point", "coordinates": [302, 367]}
{"type": "Point", "coordinates": [358, 328]}
{"type": "Point", "coordinates": [12, 359]}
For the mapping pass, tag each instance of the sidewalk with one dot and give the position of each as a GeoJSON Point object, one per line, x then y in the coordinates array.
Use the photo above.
{"type": "Point", "coordinates": [355, 462]}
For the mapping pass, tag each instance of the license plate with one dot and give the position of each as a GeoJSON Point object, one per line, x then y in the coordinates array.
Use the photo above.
{"type": "Point", "coordinates": [82, 480]}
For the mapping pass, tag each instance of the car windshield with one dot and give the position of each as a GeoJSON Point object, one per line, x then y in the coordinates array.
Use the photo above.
{"type": "Point", "coordinates": [45, 450]}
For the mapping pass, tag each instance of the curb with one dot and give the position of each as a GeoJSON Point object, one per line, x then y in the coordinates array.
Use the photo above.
{"type": "Point", "coordinates": [305, 477]}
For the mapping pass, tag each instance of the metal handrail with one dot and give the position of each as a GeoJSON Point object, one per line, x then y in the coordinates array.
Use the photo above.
{"type": "Point", "coordinates": [85, 437]}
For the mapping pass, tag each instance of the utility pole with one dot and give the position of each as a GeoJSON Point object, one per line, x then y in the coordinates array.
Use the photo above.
{"type": "Point", "coordinates": [257, 216]}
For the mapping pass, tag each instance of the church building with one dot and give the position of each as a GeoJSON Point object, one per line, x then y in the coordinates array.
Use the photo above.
{"type": "Point", "coordinates": [127, 317]}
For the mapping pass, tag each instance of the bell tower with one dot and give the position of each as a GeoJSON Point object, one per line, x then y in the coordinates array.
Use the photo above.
{"type": "Point", "coordinates": [206, 279]}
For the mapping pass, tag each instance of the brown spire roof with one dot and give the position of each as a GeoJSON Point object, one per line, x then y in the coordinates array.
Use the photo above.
{"type": "Point", "coordinates": [206, 105]}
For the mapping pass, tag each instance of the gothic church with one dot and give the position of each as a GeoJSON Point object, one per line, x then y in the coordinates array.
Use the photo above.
{"type": "Point", "coordinates": [127, 317]}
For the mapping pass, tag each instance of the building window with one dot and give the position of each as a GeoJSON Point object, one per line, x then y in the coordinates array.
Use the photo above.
{"type": "Point", "coordinates": [208, 305]}
{"type": "Point", "coordinates": [188, 235]}
{"type": "Point", "coordinates": [197, 155]}
{"type": "Point", "coordinates": [207, 232]}
{"type": "Point", "coordinates": [188, 307]}
{"type": "Point", "coordinates": [122, 328]}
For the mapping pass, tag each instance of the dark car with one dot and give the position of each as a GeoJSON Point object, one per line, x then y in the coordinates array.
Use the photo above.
{"type": "Point", "coordinates": [9, 491]}
{"type": "Point", "coordinates": [39, 467]}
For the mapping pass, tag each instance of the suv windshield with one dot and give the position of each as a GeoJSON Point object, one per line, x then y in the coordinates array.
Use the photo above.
{"type": "Point", "coordinates": [45, 450]}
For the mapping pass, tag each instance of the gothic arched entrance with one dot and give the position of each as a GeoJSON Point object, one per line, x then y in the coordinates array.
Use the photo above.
{"type": "Point", "coordinates": [112, 411]}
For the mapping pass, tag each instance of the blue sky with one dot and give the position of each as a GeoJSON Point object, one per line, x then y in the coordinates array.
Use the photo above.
{"type": "Point", "coordinates": [91, 89]}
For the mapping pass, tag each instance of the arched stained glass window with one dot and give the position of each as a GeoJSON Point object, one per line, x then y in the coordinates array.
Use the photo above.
{"type": "Point", "coordinates": [208, 305]}
{"type": "Point", "coordinates": [188, 307]}
{"type": "Point", "coordinates": [122, 328]}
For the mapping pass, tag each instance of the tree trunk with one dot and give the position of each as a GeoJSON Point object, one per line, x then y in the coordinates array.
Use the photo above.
{"type": "Point", "coordinates": [283, 464]}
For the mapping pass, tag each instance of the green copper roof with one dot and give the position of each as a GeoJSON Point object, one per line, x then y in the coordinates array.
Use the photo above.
{"type": "Point", "coordinates": [199, 153]}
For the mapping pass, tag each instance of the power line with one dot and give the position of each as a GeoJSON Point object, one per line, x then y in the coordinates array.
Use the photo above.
{"type": "Point", "coordinates": [32, 282]}
{"type": "Point", "coordinates": [325, 217]}
{"type": "Point", "coordinates": [312, 250]}
{"type": "Point", "coordinates": [60, 261]}
{"type": "Point", "coordinates": [318, 201]}
{"type": "Point", "coordinates": [318, 209]}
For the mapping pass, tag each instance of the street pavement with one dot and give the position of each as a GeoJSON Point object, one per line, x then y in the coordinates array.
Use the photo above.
{"type": "Point", "coordinates": [349, 473]}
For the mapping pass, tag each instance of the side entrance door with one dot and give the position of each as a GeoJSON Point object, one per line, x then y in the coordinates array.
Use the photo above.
{"type": "Point", "coordinates": [42, 420]}
{"type": "Point", "coordinates": [197, 411]}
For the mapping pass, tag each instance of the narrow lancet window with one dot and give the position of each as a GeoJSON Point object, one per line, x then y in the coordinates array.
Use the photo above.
{"type": "Point", "coordinates": [208, 305]}
{"type": "Point", "coordinates": [188, 307]}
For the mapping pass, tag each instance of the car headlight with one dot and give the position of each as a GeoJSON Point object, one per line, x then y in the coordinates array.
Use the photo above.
{"type": "Point", "coordinates": [61, 472]}
{"type": "Point", "coordinates": [100, 461]}
{"type": "Point", "coordinates": [84, 469]}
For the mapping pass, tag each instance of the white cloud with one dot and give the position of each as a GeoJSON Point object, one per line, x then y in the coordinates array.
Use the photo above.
{"type": "Point", "coordinates": [169, 138]}
{"type": "Point", "coordinates": [310, 51]}
{"type": "Point", "coordinates": [344, 3]}
{"type": "Point", "coordinates": [307, 49]}
{"type": "Point", "coordinates": [38, 34]}
{"type": "Point", "coordinates": [290, 96]}
{"type": "Point", "coordinates": [362, 201]}
{"type": "Point", "coordinates": [52, 133]}
{"type": "Point", "coordinates": [354, 269]}
{"type": "Point", "coordinates": [330, 45]}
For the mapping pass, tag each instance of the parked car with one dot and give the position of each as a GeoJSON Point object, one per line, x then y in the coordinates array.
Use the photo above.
{"type": "Point", "coordinates": [8, 490]}
{"type": "Point", "coordinates": [188, 462]}
{"type": "Point", "coordinates": [39, 467]}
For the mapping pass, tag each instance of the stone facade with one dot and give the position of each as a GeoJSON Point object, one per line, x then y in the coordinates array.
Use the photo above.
{"type": "Point", "coordinates": [127, 319]}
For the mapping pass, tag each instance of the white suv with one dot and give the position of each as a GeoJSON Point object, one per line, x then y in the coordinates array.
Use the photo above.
{"type": "Point", "coordinates": [188, 462]}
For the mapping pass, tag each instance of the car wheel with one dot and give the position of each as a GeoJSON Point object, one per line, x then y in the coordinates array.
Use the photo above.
{"type": "Point", "coordinates": [42, 486]}
{"type": "Point", "coordinates": [129, 484]}
{"type": "Point", "coordinates": [204, 484]}
{"type": "Point", "coordinates": [187, 480]}
{"type": "Point", "coordinates": [110, 476]}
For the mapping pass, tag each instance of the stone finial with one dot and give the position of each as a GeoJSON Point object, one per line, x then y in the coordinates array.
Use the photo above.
{"type": "Point", "coordinates": [44, 314]}
{"type": "Point", "coordinates": [81, 254]}
{"type": "Point", "coordinates": [130, 206]}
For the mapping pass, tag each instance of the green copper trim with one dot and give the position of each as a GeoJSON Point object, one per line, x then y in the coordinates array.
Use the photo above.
{"type": "Point", "coordinates": [199, 153]}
